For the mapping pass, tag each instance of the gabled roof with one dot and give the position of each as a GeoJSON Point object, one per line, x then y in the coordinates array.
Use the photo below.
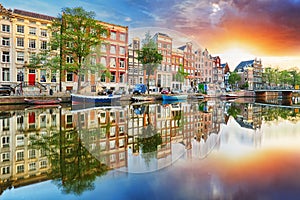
{"type": "Point", "coordinates": [243, 65]}
{"type": "Point", "coordinates": [182, 47]}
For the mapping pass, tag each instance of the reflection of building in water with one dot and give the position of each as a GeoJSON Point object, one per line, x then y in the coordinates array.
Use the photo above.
{"type": "Point", "coordinates": [250, 116]}
{"type": "Point", "coordinates": [143, 116]}
{"type": "Point", "coordinates": [210, 117]}
{"type": "Point", "coordinates": [104, 133]}
{"type": "Point", "coordinates": [21, 163]}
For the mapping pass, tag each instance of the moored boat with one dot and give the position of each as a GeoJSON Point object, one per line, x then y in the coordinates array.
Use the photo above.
{"type": "Point", "coordinates": [43, 101]}
{"type": "Point", "coordinates": [86, 99]}
{"type": "Point", "coordinates": [229, 96]}
{"type": "Point", "coordinates": [142, 98]}
{"type": "Point", "coordinates": [174, 97]}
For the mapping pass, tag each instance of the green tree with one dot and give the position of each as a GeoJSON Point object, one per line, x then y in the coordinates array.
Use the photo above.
{"type": "Point", "coordinates": [295, 76]}
{"type": "Point", "coordinates": [234, 78]}
{"type": "Point", "coordinates": [149, 57]}
{"type": "Point", "coordinates": [76, 33]}
{"type": "Point", "coordinates": [181, 74]}
{"type": "Point", "coordinates": [285, 77]}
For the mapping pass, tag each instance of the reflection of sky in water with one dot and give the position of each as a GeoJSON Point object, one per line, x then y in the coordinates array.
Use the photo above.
{"type": "Point", "coordinates": [245, 164]}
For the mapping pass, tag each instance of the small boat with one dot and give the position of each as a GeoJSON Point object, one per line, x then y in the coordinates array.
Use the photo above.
{"type": "Point", "coordinates": [142, 98]}
{"type": "Point", "coordinates": [43, 101]}
{"type": "Point", "coordinates": [174, 97]}
{"type": "Point", "coordinates": [229, 96]}
{"type": "Point", "coordinates": [100, 99]}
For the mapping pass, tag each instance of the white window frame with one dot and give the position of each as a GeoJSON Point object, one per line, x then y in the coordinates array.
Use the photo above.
{"type": "Point", "coordinates": [20, 28]}
{"type": "Point", "coordinates": [32, 30]}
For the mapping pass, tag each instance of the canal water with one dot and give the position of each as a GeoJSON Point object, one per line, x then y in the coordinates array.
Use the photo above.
{"type": "Point", "coordinates": [182, 150]}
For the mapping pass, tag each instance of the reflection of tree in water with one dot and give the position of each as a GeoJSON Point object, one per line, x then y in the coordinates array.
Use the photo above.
{"type": "Point", "coordinates": [149, 140]}
{"type": "Point", "coordinates": [73, 168]}
{"type": "Point", "coordinates": [272, 114]}
{"type": "Point", "coordinates": [233, 111]}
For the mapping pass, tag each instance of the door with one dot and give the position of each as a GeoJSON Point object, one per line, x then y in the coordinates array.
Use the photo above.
{"type": "Point", "coordinates": [31, 77]}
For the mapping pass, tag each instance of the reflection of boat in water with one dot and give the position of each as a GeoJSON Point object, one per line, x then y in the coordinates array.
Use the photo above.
{"type": "Point", "coordinates": [43, 101]}
{"type": "Point", "coordinates": [165, 102]}
{"type": "Point", "coordinates": [32, 107]}
{"type": "Point", "coordinates": [86, 99]}
{"type": "Point", "coordinates": [174, 97]}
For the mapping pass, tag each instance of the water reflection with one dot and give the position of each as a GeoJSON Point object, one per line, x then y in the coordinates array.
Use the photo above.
{"type": "Point", "coordinates": [73, 147]}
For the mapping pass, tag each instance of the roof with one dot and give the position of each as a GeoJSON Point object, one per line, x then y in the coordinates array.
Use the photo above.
{"type": "Point", "coordinates": [243, 65]}
{"type": "Point", "coordinates": [182, 47]}
{"type": "Point", "coordinates": [33, 15]}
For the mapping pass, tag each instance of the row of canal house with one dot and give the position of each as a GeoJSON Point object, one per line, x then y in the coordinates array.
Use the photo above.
{"type": "Point", "coordinates": [24, 34]}
{"type": "Point", "coordinates": [199, 64]}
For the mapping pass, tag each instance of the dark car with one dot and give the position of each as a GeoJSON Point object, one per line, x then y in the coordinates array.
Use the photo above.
{"type": "Point", "coordinates": [105, 92]}
{"type": "Point", "coordinates": [165, 91]}
{"type": "Point", "coordinates": [6, 90]}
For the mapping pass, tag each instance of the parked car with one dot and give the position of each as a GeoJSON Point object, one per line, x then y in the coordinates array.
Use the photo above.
{"type": "Point", "coordinates": [105, 92]}
{"type": "Point", "coordinates": [6, 90]}
{"type": "Point", "coordinates": [140, 89]}
{"type": "Point", "coordinates": [165, 91]}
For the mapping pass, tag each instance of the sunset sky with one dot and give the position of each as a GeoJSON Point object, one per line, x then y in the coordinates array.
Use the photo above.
{"type": "Point", "coordinates": [234, 29]}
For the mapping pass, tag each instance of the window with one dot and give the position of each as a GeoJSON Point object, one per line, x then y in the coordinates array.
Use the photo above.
{"type": "Point", "coordinates": [69, 59]}
{"type": "Point", "coordinates": [32, 166]}
{"type": "Point", "coordinates": [20, 57]}
{"type": "Point", "coordinates": [31, 43]}
{"type": "Point", "coordinates": [43, 45]}
{"type": "Point", "coordinates": [122, 78]}
{"type": "Point", "coordinates": [32, 31]}
{"type": "Point", "coordinates": [103, 61]}
{"type": "Point", "coordinates": [43, 75]}
{"type": "Point", "coordinates": [5, 41]}
{"type": "Point", "coordinates": [112, 62]}
{"type": "Point", "coordinates": [113, 35]}
{"type": "Point", "coordinates": [20, 140]}
{"type": "Point", "coordinates": [113, 49]}
{"type": "Point", "coordinates": [6, 170]}
{"type": "Point", "coordinates": [122, 63]}
{"type": "Point", "coordinates": [20, 155]}
{"type": "Point", "coordinates": [20, 29]}
{"type": "Point", "coordinates": [5, 56]}
{"type": "Point", "coordinates": [5, 157]}
{"type": "Point", "coordinates": [31, 153]}
{"type": "Point", "coordinates": [43, 164]}
{"type": "Point", "coordinates": [69, 76]}
{"type": "Point", "coordinates": [122, 37]}
{"type": "Point", "coordinates": [5, 74]}
{"type": "Point", "coordinates": [20, 42]}
{"type": "Point", "coordinates": [113, 77]}
{"type": "Point", "coordinates": [103, 48]}
{"type": "Point", "coordinates": [5, 141]}
{"type": "Point", "coordinates": [53, 76]}
{"type": "Point", "coordinates": [20, 168]}
{"type": "Point", "coordinates": [93, 60]}
{"type": "Point", "coordinates": [5, 28]}
{"type": "Point", "coordinates": [43, 32]}
{"type": "Point", "coordinates": [122, 50]}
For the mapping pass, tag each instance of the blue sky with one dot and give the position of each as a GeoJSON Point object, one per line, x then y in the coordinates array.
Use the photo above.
{"type": "Point", "coordinates": [234, 29]}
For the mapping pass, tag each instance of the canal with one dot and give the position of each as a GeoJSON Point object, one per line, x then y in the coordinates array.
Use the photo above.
{"type": "Point", "coordinates": [208, 149]}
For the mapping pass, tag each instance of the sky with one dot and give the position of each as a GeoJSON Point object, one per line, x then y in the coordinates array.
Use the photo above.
{"type": "Point", "coordinates": [235, 30]}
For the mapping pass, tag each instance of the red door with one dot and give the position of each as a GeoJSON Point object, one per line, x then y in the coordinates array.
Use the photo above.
{"type": "Point", "coordinates": [31, 78]}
